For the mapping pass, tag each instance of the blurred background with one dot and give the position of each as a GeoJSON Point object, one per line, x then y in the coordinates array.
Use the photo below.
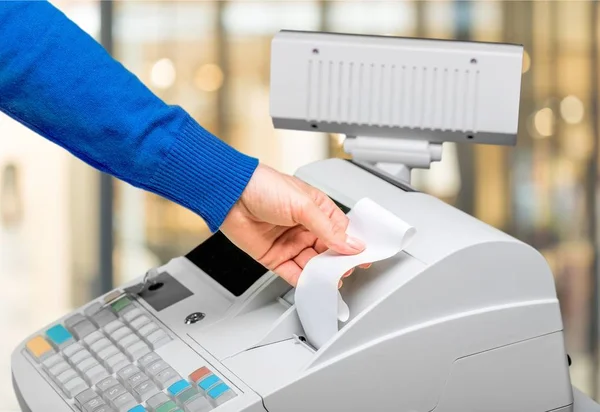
{"type": "Point", "coordinates": [67, 234]}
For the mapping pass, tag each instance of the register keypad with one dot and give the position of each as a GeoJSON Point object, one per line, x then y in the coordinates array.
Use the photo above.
{"type": "Point", "coordinates": [103, 360]}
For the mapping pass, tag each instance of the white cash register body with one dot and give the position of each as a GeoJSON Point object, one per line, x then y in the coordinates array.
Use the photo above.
{"type": "Point", "coordinates": [466, 318]}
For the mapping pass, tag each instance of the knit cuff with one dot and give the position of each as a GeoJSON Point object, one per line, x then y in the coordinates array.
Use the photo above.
{"type": "Point", "coordinates": [203, 174]}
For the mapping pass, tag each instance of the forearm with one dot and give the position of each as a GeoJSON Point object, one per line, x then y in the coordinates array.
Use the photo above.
{"type": "Point", "coordinates": [58, 81]}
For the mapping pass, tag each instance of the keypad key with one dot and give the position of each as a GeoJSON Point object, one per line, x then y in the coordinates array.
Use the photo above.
{"type": "Point", "coordinates": [74, 387]}
{"type": "Point", "coordinates": [52, 361]}
{"type": "Point", "coordinates": [112, 296]}
{"type": "Point", "coordinates": [106, 384]}
{"type": "Point", "coordinates": [104, 317]}
{"type": "Point", "coordinates": [135, 379]}
{"type": "Point", "coordinates": [128, 341]}
{"type": "Point", "coordinates": [116, 362]}
{"type": "Point", "coordinates": [107, 352]}
{"type": "Point", "coordinates": [147, 329]}
{"type": "Point", "coordinates": [138, 408]}
{"type": "Point", "coordinates": [85, 396]}
{"type": "Point", "coordinates": [72, 349]}
{"type": "Point", "coordinates": [59, 368]}
{"type": "Point", "coordinates": [66, 376]}
{"type": "Point", "coordinates": [166, 378]}
{"type": "Point", "coordinates": [178, 386]}
{"type": "Point", "coordinates": [113, 326]}
{"type": "Point", "coordinates": [92, 309]}
{"type": "Point", "coordinates": [83, 328]}
{"type": "Point", "coordinates": [187, 395]}
{"type": "Point", "coordinates": [93, 338]}
{"type": "Point", "coordinates": [99, 345]}
{"type": "Point", "coordinates": [156, 401]}
{"type": "Point", "coordinates": [79, 357]}
{"type": "Point", "coordinates": [104, 408]}
{"type": "Point", "coordinates": [93, 404]}
{"type": "Point", "coordinates": [120, 304]}
{"type": "Point", "coordinates": [113, 393]}
{"type": "Point", "coordinates": [147, 359]}
{"type": "Point", "coordinates": [132, 314]}
{"type": "Point", "coordinates": [127, 371]}
{"type": "Point", "coordinates": [208, 382]}
{"type": "Point", "coordinates": [39, 348]}
{"type": "Point", "coordinates": [199, 374]}
{"type": "Point", "coordinates": [73, 320]}
{"type": "Point", "coordinates": [156, 367]}
{"type": "Point", "coordinates": [95, 374]}
{"type": "Point", "coordinates": [121, 333]}
{"type": "Point", "coordinates": [145, 390]}
{"type": "Point", "coordinates": [218, 391]}
{"type": "Point", "coordinates": [137, 350]}
{"type": "Point", "coordinates": [86, 364]}
{"type": "Point", "coordinates": [158, 338]}
{"type": "Point", "coordinates": [124, 402]}
{"type": "Point", "coordinates": [167, 407]}
{"type": "Point", "coordinates": [198, 404]}
{"type": "Point", "coordinates": [139, 322]}
{"type": "Point", "coordinates": [59, 336]}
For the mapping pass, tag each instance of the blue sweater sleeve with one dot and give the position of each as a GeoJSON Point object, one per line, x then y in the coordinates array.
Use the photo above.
{"type": "Point", "coordinates": [59, 82]}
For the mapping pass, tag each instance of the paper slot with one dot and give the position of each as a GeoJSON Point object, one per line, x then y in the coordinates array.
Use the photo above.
{"type": "Point", "coordinates": [319, 304]}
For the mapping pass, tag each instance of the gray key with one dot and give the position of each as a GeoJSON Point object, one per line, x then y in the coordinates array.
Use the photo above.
{"type": "Point", "coordinates": [121, 333]}
{"type": "Point", "coordinates": [145, 390]}
{"type": "Point", "coordinates": [66, 376]}
{"type": "Point", "coordinates": [86, 364]}
{"type": "Point", "coordinates": [72, 320]}
{"type": "Point", "coordinates": [59, 368]}
{"type": "Point", "coordinates": [139, 322]}
{"type": "Point", "coordinates": [113, 326]}
{"type": "Point", "coordinates": [95, 374]}
{"type": "Point", "coordinates": [148, 329]}
{"type": "Point", "coordinates": [104, 317]}
{"type": "Point", "coordinates": [52, 361]}
{"type": "Point", "coordinates": [74, 387]}
{"type": "Point", "coordinates": [107, 352]}
{"type": "Point", "coordinates": [107, 384]}
{"type": "Point", "coordinates": [136, 350]}
{"type": "Point", "coordinates": [157, 400]}
{"type": "Point", "coordinates": [225, 396]}
{"type": "Point", "coordinates": [80, 356]}
{"type": "Point", "coordinates": [93, 404]}
{"type": "Point", "coordinates": [131, 315]}
{"type": "Point", "coordinates": [84, 328]}
{"type": "Point", "coordinates": [199, 404]}
{"type": "Point", "coordinates": [157, 367]}
{"type": "Point", "coordinates": [93, 337]}
{"type": "Point", "coordinates": [167, 377]}
{"type": "Point", "coordinates": [72, 349]}
{"type": "Point", "coordinates": [127, 371]}
{"type": "Point", "coordinates": [104, 408]}
{"type": "Point", "coordinates": [124, 402]}
{"type": "Point", "coordinates": [114, 392]}
{"type": "Point", "coordinates": [99, 345]}
{"type": "Point", "coordinates": [135, 379]}
{"type": "Point", "coordinates": [116, 362]}
{"type": "Point", "coordinates": [85, 396]}
{"type": "Point", "coordinates": [128, 341]}
{"type": "Point", "coordinates": [148, 359]}
{"type": "Point", "coordinates": [93, 308]}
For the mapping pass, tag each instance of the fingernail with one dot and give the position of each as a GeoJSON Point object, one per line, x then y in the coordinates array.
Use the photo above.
{"type": "Point", "coordinates": [348, 273]}
{"type": "Point", "coordinates": [367, 266]}
{"type": "Point", "coordinates": [340, 284]}
{"type": "Point", "coordinates": [355, 243]}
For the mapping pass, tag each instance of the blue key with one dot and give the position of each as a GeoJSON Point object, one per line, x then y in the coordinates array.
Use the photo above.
{"type": "Point", "coordinates": [178, 387]}
{"type": "Point", "coordinates": [218, 390]}
{"type": "Point", "coordinates": [138, 408]}
{"type": "Point", "coordinates": [208, 382]}
{"type": "Point", "coordinates": [58, 334]}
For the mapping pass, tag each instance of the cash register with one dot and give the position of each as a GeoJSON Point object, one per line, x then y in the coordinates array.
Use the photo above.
{"type": "Point", "coordinates": [464, 319]}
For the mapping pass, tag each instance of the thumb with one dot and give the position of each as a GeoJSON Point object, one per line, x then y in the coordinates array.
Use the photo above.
{"type": "Point", "coordinates": [334, 236]}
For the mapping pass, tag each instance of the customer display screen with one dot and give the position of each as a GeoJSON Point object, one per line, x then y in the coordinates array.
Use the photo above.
{"type": "Point", "coordinates": [227, 264]}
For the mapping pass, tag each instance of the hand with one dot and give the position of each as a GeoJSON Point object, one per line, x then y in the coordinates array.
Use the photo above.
{"type": "Point", "coordinates": [283, 222]}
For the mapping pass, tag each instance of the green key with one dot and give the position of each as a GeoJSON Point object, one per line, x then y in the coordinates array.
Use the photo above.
{"type": "Point", "coordinates": [121, 304]}
{"type": "Point", "coordinates": [168, 407]}
{"type": "Point", "coordinates": [186, 395]}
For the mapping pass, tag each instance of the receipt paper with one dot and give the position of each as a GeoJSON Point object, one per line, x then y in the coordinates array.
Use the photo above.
{"type": "Point", "coordinates": [318, 301]}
